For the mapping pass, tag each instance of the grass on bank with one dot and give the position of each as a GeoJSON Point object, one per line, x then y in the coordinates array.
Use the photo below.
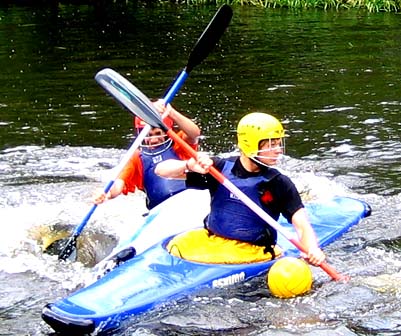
{"type": "Point", "coordinates": [370, 5]}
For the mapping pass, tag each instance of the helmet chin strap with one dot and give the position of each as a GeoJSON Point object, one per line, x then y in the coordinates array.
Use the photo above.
{"type": "Point", "coordinates": [260, 164]}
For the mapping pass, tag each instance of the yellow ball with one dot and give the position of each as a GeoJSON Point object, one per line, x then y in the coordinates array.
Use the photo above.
{"type": "Point", "coordinates": [289, 277]}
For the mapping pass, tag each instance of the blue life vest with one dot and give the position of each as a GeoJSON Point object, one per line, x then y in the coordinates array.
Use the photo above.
{"type": "Point", "coordinates": [157, 188]}
{"type": "Point", "coordinates": [233, 219]}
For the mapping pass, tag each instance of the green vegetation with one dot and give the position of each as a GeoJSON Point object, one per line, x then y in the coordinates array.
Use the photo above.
{"type": "Point", "coordinates": [370, 5]}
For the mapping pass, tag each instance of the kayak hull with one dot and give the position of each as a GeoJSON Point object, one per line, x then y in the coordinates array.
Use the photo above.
{"type": "Point", "coordinates": [155, 276]}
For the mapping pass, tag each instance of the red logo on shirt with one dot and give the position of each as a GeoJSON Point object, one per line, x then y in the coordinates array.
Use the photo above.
{"type": "Point", "coordinates": [266, 197]}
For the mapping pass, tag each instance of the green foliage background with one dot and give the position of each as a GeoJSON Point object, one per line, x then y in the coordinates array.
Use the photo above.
{"type": "Point", "coordinates": [369, 5]}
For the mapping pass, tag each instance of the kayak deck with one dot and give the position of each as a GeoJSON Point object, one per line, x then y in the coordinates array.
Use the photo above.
{"type": "Point", "coordinates": [155, 276]}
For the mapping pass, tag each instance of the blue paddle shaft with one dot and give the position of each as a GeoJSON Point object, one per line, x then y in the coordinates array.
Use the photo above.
{"type": "Point", "coordinates": [176, 86]}
{"type": "Point", "coordinates": [81, 226]}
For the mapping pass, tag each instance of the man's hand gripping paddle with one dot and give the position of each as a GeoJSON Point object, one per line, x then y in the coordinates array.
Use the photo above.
{"type": "Point", "coordinates": [138, 104]}
{"type": "Point", "coordinates": [66, 248]}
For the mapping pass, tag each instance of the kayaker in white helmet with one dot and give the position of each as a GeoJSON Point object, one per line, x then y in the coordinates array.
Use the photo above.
{"type": "Point", "coordinates": [139, 171]}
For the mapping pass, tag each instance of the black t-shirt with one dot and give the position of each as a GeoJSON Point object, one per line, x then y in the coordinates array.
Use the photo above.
{"type": "Point", "coordinates": [278, 194]}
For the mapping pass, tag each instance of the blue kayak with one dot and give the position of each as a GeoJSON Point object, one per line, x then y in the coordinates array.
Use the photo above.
{"type": "Point", "coordinates": [155, 276]}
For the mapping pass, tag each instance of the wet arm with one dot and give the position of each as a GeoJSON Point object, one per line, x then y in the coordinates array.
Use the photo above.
{"type": "Point", "coordinates": [191, 130]}
{"type": "Point", "coordinates": [179, 168]}
{"type": "Point", "coordinates": [307, 236]}
{"type": "Point", "coordinates": [117, 188]}
{"type": "Point", "coordinates": [172, 169]}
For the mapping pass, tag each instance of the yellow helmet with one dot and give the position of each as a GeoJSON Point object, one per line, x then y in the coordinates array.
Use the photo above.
{"type": "Point", "coordinates": [255, 127]}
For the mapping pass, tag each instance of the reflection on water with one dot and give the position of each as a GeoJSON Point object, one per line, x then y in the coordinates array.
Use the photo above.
{"type": "Point", "coordinates": [332, 77]}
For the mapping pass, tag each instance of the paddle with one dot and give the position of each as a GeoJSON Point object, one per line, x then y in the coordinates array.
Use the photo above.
{"type": "Point", "coordinates": [138, 104]}
{"type": "Point", "coordinates": [66, 248]}
{"type": "Point", "coordinates": [206, 42]}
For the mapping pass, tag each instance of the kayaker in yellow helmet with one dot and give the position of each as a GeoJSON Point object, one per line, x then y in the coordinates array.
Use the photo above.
{"type": "Point", "coordinates": [261, 143]}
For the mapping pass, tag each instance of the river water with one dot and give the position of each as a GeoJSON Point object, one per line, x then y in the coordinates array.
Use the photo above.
{"type": "Point", "coordinates": [332, 77]}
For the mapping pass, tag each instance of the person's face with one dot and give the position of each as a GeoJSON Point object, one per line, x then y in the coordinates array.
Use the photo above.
{"type": "Point", "coordinates": [155, 137]}
{"type": "Point", "coordinates": [270, 151]}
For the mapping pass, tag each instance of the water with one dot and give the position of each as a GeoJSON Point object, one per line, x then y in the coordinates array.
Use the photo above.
{"type": "Point", "coordinates": [332, 77]}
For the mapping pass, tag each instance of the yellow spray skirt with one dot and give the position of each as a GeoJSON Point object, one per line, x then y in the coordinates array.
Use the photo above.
{"type": "Point", "coordinates": [196, 245]}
